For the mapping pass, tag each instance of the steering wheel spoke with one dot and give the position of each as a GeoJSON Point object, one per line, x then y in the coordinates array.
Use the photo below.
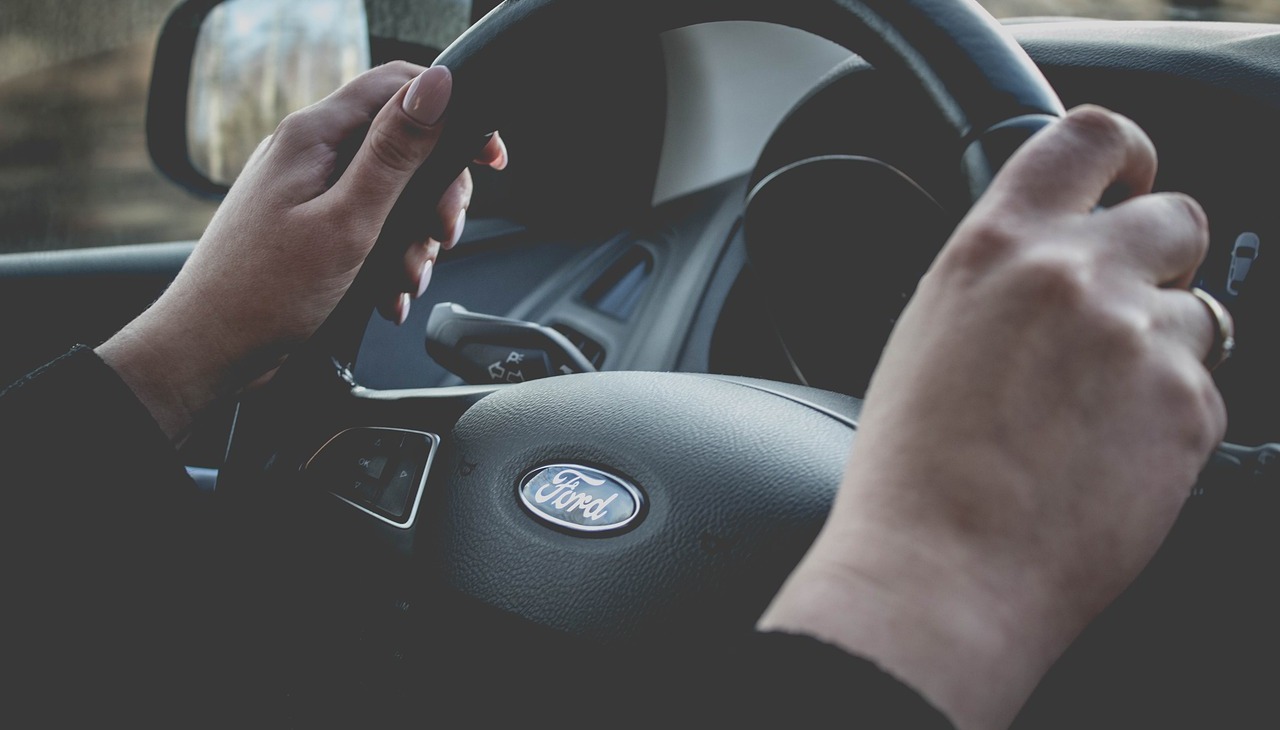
{"type": "Point", "coordinates": [361, 460]}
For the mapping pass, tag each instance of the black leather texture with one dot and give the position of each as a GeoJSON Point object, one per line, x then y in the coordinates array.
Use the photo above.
{"type": "Point", "coordinates": [733, 500]}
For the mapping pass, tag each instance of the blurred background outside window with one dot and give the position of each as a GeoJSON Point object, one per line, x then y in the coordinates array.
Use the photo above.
{"type": "Point", "coordinates": [74, 75]}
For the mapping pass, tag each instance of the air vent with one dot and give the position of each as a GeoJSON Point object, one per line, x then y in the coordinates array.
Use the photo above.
{"type": "Point", "coordinates": [590, 349]}
{"type": "Point", "coordinates": [618, 290]}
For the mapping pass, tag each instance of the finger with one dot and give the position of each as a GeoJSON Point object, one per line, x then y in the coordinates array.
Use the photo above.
{"type": "Point", "coordinates": [494, 153]}
{"type": "Point", "coordinates": [1189, 323]}
{"type": "Point", "coordinates": [1163, 236]}
{"type": "Point", "coordinates": [327, 133]}
{"type": "Point", "coordinates": [452, 209]}
{"type": "Point", "coordinates": [335, 117]}
{"type": "Point", "coordinates": [395, 309]}
{"type": "Point", "coordinates": [419, 264]}
{"type": "Point", "coordinates": [1187, 320]}
{"type": "Point", "coordinates": [401, 137]}
{"type": "Point", "coordinates": [1068, 167]}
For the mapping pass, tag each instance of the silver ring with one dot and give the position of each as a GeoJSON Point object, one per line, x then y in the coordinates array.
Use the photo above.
{"type": "Point", "coordinates": [1224, 338]}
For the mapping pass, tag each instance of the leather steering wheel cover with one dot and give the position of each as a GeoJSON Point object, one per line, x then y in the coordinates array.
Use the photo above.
{"type": "Point", "coordinates": [724, 525]}
{"type": "Point", "coordinates": [971, 69]}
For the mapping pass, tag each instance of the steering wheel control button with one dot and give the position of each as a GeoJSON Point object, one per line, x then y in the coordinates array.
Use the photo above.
{"type": "Point", "coordinates": [395, 498]}
{"type": "Point", "coordinates": [580, 498]}
{"type": "Point", "coordinates": [373, 466]}
{"type": "Point", "coordinates": [368, 490]}
{"type": "Point", "coordinates": [379, 471]}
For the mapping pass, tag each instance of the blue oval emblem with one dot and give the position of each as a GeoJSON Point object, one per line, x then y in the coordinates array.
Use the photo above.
{"type": "Point", "coordinates": [580, 498]}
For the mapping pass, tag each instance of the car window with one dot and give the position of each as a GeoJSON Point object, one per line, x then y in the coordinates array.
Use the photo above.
{"type": "Point", "coordinates": [74, 167]}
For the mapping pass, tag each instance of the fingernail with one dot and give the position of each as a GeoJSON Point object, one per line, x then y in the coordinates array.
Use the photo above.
{"type": "Point", "coordinates": [504, 157]}
{"type": "Point", "coordinates": [458, 225]}
{"type": "Point", "coordinates": [424, 278]}
{"type": "Point", "coordinates": [402, 308]}
{"type": "Point", "coordinates": [428, 95]}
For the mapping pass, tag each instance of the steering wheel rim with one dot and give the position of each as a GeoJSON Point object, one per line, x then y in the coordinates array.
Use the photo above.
{"type": "Point", "coordinates": [726, 516]}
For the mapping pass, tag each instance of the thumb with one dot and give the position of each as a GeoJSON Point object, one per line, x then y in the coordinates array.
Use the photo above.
{"type": "Point", "coordinates": [400, 138]}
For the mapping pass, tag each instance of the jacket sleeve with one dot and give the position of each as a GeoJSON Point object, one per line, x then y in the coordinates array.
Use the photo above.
{"type": "Point", "coordinates": [72, 427]}
{"type": "Point", "coordinates": [775, 679]}
{"type": "Point", "coordinates": [104, 534]}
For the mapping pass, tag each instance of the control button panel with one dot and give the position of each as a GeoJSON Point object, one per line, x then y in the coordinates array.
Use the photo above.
{"type": "Point", "coordinates": [381, 471]}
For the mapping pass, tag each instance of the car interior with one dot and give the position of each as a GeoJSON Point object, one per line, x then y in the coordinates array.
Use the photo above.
{"type": "Point", "coordinates": [703, 241]}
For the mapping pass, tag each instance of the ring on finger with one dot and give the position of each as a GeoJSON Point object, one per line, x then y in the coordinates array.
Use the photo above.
{"type": "Point", "coordinates": [1224, 337]}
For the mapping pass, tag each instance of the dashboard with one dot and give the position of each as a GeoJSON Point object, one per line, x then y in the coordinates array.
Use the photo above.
{"type": "Point", "coordinates": [640, 250]}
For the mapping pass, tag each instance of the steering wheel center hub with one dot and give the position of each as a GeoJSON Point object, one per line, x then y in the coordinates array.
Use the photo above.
{"type": "Point", "coordinates": [724, 502]}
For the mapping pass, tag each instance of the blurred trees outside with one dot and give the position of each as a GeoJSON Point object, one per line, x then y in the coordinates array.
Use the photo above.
{"type": "Point", "coordinates": [258, 60]}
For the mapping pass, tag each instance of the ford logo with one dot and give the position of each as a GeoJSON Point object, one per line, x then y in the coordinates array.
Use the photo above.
{"type": "Point", "coordinates": [580, 498]}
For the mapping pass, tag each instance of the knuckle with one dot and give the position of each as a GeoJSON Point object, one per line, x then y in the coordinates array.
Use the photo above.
{"type": "Point", "coordinates": [1126, 335]}
{"type": "Point", "coordinates": [1102, 126]}
{"type": "Point", "coordinates": [1065, 282]}
{"type": "Point", "coordinates": [392, 149]}
{"type": "Point", "coordinates": [400, 68]}
{"type": "Point", "coordinates": [1057, 277]}
{"type": "Point", "coordinates": [1189, 208]}
{"type": "Point", "coordinates": [1122, 338]}
{"type": "Point", "coordinates": [985, 241]}
{"type": "Point", "coordinates": [295, 129]}
{"type": "Point", "coordinates": [391, 69]}
{"type": "Point", "coordinates": [1111, 134]}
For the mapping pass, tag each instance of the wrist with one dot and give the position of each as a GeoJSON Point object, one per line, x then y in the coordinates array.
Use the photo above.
{"type": "Point", "coordinates": [175, 367]}
{"type": "Point", "coordinates": [972, 635]}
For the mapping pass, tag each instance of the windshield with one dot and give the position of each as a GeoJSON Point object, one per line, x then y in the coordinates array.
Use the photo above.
{"type": "Point", "coordinates": [74, 166]}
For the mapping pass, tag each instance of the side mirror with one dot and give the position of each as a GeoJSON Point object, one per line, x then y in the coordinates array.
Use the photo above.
{"type": "Point", "coordinates": [255, 62]}
{"type": "Point", "coordinates": [228, 71]}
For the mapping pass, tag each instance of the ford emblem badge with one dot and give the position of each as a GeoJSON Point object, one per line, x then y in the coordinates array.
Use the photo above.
{"type": "Point", "coordinates": [580, 498]}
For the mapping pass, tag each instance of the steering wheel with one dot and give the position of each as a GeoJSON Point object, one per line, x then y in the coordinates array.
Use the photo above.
{"type": "Point", "coordinates": [610, 506]}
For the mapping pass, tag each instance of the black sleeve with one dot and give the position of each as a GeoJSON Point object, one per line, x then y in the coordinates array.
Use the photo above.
{"type": "Point", "coordinates": [105, 537]}
{"type": "Point", "coordinates": [775, 679]}
{"type": "Point", "coordinates": [778, 679]}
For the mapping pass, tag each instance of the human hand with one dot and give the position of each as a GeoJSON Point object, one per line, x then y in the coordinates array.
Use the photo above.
{"type": "Point", "coordinates": [1035, 424]}
{"type": "Point", "coordinates": [288, 240]}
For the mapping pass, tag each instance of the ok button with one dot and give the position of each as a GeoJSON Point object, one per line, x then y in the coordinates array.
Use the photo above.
{"type": "Point", "coordinates": [372, 465]}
